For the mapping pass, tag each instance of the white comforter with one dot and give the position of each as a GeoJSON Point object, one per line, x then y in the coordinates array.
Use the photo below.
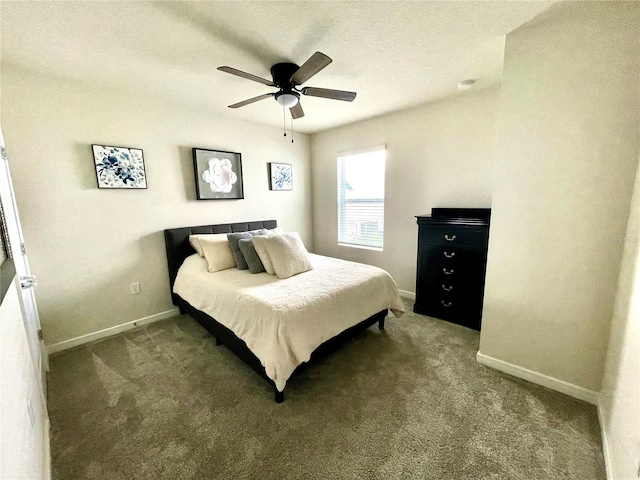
{"type": "Point", "coordinates": [284, 321]}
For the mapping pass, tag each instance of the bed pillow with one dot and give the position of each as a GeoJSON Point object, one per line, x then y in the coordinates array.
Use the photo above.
{"type": "Point", "coordinates": [261, 249]}
{"type": "Point", "coordinates": [250, 255]}
{"type": "Point", "coordinates": [275, 231]}
{"type": "Point", "coordinates": [217, 252]}
{"type": "Point", "coordinates": [194, 240]}
{"type": "Point", "coordinates": [288, 255]}
{"type": "Point", "coordinates": [234, 238]}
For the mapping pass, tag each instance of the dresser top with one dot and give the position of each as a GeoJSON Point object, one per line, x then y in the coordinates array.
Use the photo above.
{"type": "Point", "coordinates": [456, 216]}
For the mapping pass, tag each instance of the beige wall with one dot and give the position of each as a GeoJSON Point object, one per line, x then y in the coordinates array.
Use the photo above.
{"type": "Point", "coordinates": [568, 151]}
{"type": "Point", "coordinates": [620, 395]}
{"type": "Point", "coordinates": [87, 245]}
{"type": "Point", "coordinates": [22, 443]}
{"type": "Point", "coordinates": [438, 155]}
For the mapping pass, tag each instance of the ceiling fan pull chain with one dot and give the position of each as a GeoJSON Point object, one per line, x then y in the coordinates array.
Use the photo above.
{"type": "Point", "coordinates": [291, 129]}
{"type": "Point", "coordinates": [284, 121]}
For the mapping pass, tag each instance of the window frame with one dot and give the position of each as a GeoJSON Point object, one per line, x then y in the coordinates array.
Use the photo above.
{"type": "Point", "coordinates": [7, 266]}
{"type": "Point", "coordinates": [341, 194]}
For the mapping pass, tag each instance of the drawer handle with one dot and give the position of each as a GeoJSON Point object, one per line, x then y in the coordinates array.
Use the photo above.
{"type": "Point", "coordinates": [449, 239]}
{"type": "Point", "coordinates": [447, 289]}
{"type": "Point", "coordinates": [447, 272]}
{"type": "Point", "coordinates": [448, 304]}
{"type": "Point", "coordinates": [449, 255]}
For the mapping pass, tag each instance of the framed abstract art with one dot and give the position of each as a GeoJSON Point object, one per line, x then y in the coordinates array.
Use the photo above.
{"type": "Point", "coordinates": [218, 174]}
{"type": "Point", "coordinates": [119, 167]}
{"type": "Point", "coordinates": [280, 176]}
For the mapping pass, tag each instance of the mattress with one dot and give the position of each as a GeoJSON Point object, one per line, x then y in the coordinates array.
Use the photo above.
{"type": "Point", "coordinates": [283, 321]}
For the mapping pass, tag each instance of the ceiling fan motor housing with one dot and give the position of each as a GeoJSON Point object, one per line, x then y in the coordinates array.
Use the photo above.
{"type": "Point", "coordinates": [282, 73]}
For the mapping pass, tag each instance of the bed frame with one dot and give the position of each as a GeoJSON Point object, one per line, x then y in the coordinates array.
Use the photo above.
{"type": "Point", "coordinates": [179, 248]}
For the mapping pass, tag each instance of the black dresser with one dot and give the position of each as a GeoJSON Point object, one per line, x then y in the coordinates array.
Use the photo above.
{"type": "Point", "coordinates": [452, 261]}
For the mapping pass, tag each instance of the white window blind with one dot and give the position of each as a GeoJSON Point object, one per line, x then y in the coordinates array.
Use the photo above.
{"type": "Point", "coordinates": [361, 198]}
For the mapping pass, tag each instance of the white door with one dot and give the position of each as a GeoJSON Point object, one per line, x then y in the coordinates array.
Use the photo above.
{"type": "Point", "coordinates": [27, 281]}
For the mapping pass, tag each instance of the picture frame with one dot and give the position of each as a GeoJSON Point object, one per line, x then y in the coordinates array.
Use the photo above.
{"type": "Point", "coordinates": [119, 167]}
{"type": "Point", "coordinates": [280, 176]}
{"type": "Point", "coordinates": [218, 174]}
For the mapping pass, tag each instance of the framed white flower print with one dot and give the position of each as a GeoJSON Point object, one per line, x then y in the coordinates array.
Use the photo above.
{"type": "Point", "coordinates": [218, 174]}
{"type": "Point", "coordinates": [280, 176]}
{"type": "Point", "coordinates": [119, 167]}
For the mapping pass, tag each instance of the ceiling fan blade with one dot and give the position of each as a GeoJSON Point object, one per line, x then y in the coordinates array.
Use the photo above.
{"type": "Point", "coordinates": [316, 62]}
{"type": "Point", "coordinates": [240, 73]}
{"type": "Point", "coordinates": [296, 111]}
{"type": "Point", "coordinates": [328, 93]}
{"type": "Point", "coordinates": [251, 100]}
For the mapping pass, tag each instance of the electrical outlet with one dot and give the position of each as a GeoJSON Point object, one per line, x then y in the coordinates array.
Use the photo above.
{"type": "Point", "coordinates": [135, 288]}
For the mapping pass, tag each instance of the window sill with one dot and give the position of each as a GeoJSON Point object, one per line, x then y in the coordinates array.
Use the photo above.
{"type": "Point", "coordinates": [363, 247]}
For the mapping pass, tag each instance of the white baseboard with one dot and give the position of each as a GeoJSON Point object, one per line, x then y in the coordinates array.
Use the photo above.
{"type": "Point", "coordinates": [409, 295]}
{"type": "Point", "coordinates": [606, 449]}
{"type": "Point", "coordinates": [108, 332]}
{"type": "Point", "coordinates": [570, 389]}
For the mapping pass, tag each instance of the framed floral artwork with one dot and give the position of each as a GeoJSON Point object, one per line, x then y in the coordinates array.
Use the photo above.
{"type": "Point", "coordinates": [218, 174]}
{"type": "Point", "coordinates": [119, 167]}
{"type": "Point", "coordinates": [280, 176]}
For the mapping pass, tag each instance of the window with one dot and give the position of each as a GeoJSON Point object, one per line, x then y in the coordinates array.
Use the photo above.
{"type": "Point", "coordinates": [7, 267]}
{"type": "Point", "coordinates": [361, 198]}
{"type": "Point", "coordinates": [4, 253]}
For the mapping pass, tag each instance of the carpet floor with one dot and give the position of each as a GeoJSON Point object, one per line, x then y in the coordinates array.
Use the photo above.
{"type": "Point", "coordinates": [409, 402]}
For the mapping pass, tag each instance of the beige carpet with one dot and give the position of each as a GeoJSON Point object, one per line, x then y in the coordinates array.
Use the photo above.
{"type": "Point", "coordinates": [410, 402]}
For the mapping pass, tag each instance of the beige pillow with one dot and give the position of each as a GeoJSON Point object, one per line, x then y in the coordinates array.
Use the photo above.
{"type": "Point", "coordinates": [287, 254]}
{"type": "Point", "coordinates": [275, 231]}
{"type": "Point", "coordinates": [194, 240]}
{"type": "Point", "coordinates": [217, 252]}
{"type": "Point", "coordinates": [261, 249]}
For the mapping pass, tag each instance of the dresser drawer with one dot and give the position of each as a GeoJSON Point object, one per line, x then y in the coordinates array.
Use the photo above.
{"type": "Point", "coordinates": [461, 310]}
{"type": "Point", "coordinates": [454, 235]}
{"type": "Point", "coordinates": [461, 292]}
{"type": "Point", "coordinates": [446, 264]}
{"type": "Point", "coordinates": [461, 288]}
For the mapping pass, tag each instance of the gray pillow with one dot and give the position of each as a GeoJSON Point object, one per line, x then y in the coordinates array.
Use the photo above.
{"type": "Point", "coordinates": [250, 255]}
{"type": "Point", "coordinates": [234, 238]}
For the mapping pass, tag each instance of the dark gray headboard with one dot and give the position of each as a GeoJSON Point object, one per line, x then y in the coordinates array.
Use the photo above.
{"type": "Point", "coordinates": [179, 248]}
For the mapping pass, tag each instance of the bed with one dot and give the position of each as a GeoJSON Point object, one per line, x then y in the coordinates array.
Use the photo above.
{"type": "Point", "coordinates": [278, 326]}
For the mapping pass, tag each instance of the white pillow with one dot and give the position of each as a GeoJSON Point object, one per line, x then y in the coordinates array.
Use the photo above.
{"type": "Point", "coordinates": [288, 255]}
{"type": "Point", "coordinates": [217, 251]}
{"type": "Point", "coordinates": [261, 249]}
{"type": "Point", "coordinates": [194, 240]}
{"type": "Point", "coordinates": [275, 231]}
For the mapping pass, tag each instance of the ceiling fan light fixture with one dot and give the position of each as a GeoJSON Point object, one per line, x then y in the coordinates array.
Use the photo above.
{"type": "Point", "coordinates": [287, 99]}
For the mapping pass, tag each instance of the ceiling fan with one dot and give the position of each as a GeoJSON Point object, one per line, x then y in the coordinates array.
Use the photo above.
{"type": "Point", "coordinates": [287, 77]}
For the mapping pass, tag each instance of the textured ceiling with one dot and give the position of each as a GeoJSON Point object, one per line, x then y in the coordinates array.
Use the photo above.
{"type": "Point", "coordinates": [393, 54]}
